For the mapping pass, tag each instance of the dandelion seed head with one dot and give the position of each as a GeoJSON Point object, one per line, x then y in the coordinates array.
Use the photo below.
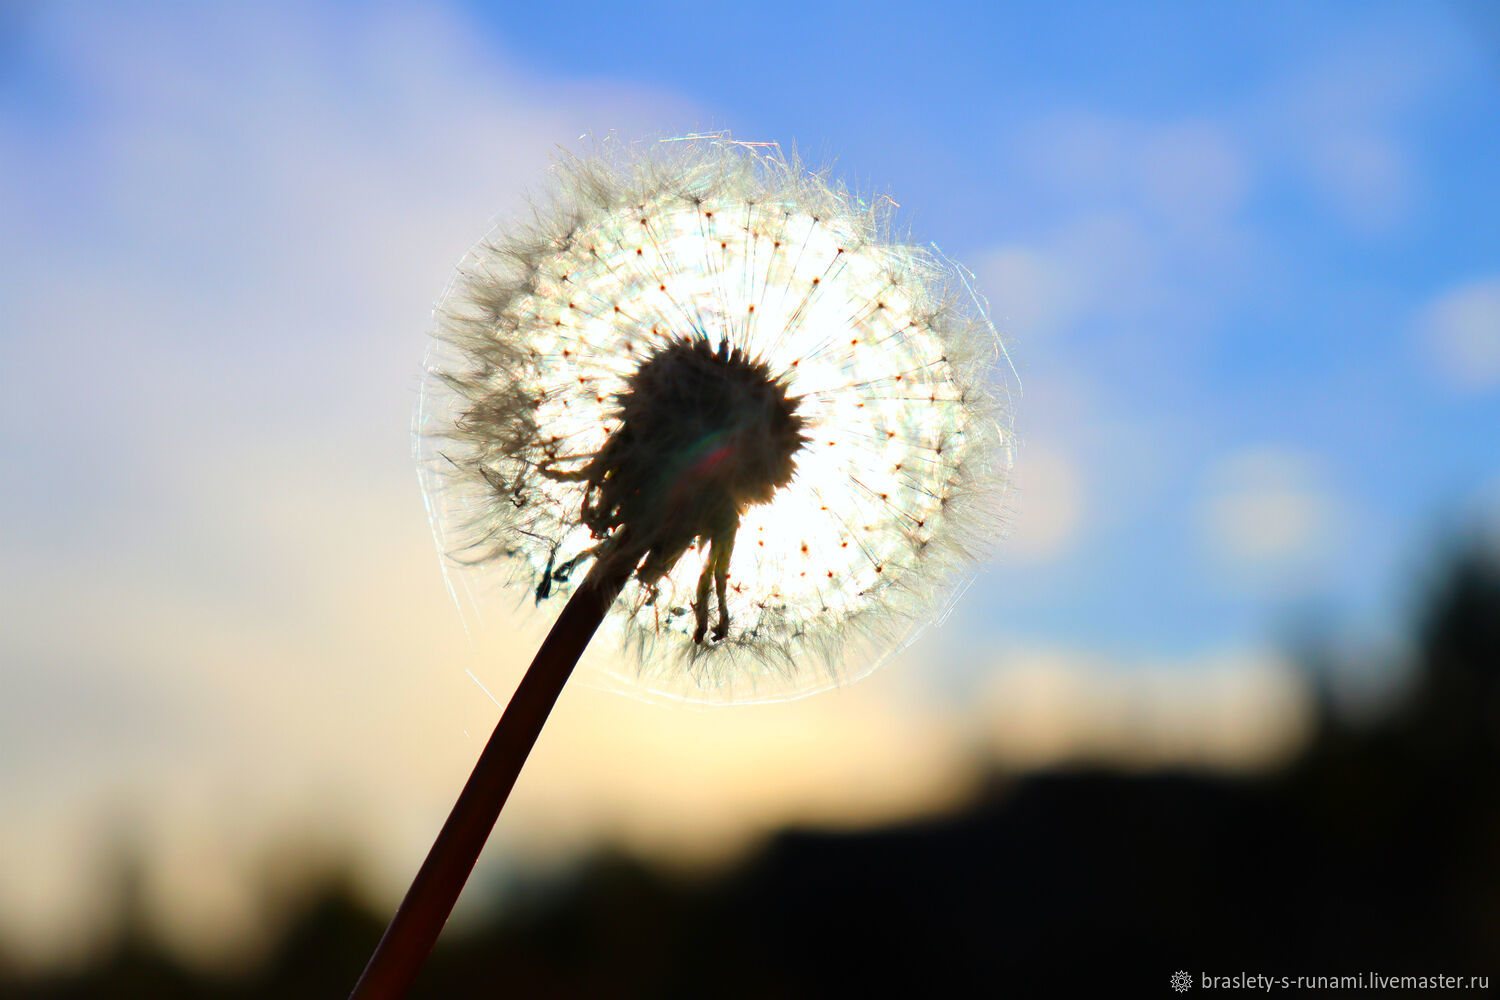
{"type": "Point", "coordinates": [706, 349]}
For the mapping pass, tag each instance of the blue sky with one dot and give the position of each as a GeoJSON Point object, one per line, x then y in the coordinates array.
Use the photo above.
{"type": "Point", "coordinates": [1244, 256]}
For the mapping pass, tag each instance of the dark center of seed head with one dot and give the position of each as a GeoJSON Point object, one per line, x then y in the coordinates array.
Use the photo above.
{"type": "Point", "coordinates": [705, 432]}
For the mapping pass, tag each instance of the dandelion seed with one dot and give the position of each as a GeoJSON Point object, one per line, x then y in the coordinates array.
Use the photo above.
{"type": "Point", "coordinates": [700, 343]}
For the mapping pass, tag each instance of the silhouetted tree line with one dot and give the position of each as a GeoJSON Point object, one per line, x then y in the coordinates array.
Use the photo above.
{"type": "Point", "coordinates": [1378, 849]}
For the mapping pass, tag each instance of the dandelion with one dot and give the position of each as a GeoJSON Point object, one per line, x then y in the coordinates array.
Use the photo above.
{"type": "Point", "coordinates": [708, 392]}
{"type": "Point", "coordinates": [721, 360]}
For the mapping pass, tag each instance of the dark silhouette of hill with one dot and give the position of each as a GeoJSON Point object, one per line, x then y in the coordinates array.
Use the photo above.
{"type": "Point", "coordinates": [1377, 850]}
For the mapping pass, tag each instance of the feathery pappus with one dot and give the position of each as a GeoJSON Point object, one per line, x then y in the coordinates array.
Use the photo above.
{"type": "Point", "coordinates": [712, 362]}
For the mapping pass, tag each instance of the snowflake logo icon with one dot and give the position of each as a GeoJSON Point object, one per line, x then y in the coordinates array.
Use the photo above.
{"type": "Point", "coordinates": [1182, 981]}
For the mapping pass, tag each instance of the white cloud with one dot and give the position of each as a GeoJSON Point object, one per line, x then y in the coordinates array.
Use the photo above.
{"type": "Point", "coordinates": [1148, 231]}
{"type": "Point", "coordinates": [1194, 174]}
{"type": "Point", "coordinates": [1340, 122]}
{"type": "Point", "coordinates": [1235, 710]}
{"type": "Point", "coordinates": [1460, 331]}
{"type": "Point", "coordinates": [1364, 174]}
{"type": "Point", "coordinates": [1190, 173]}
{"type": "Point", "coordinates": [1030, 291]}
{"type": "Point", "coordinates": [1267, 510]}
{"type": "Point", "coordinates": [1049, 501]}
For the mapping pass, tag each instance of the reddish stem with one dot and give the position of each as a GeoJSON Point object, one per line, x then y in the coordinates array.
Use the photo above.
{"type": "Point", "coordinates": [414, 929]}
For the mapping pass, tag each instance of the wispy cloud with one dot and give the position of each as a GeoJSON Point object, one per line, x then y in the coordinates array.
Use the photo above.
{"type": "Point", "coordinates": [1459, 332]}
{"type": "Point", "coordinates": [1268, 511]}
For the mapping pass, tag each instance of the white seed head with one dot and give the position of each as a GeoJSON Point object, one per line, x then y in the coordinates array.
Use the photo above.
{"type": "Point", "coordinates": [703, 353]}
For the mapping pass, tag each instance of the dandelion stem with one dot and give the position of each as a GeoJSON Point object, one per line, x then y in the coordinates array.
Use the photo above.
{"type": "Point", "coordinates": [414, 929]}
